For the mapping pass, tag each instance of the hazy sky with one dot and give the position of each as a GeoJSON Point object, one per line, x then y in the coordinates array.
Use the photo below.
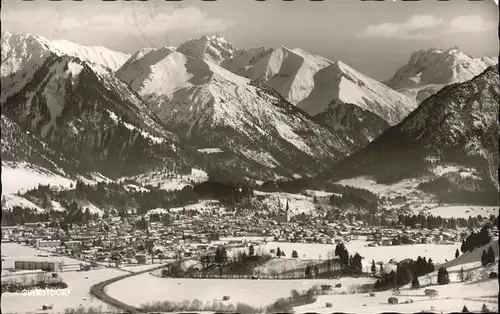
{"type": "Point", "coordinates": [373, 37]}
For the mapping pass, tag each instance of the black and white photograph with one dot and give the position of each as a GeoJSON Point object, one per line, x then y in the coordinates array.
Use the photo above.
{"type": "Point", "coordinates": [250, 157]}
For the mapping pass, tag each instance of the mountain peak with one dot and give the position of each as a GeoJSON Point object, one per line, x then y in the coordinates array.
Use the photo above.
{"type": "Point", "coordinates": [429, 70]}
{"type": "Point", "coordinates": [213, 48]}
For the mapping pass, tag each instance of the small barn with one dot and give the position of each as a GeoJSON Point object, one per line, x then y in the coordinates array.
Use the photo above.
{"type": "Point", "coordinates": [326, 288]}
{"type": "Point", "coordinates": [393, 300]}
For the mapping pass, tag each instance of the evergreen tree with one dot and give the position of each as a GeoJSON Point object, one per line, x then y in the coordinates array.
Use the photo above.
{"type": "Point", "coordinates": [484, 309]}
{"type": "Point", "coordinates": [491, 255]}
{"type": "Point", "coordinates": [278, 252]}
{"type": "Point", "coordinates": [316, 272]}
{"type": "Point", "coordinates": [251, 250]}
{"type": "Point", "coordinates": [415, 284]}
{"type": "Point", "coordinates": [457, 253]}
{"type": "Point", "coordinates": [443, 277]}
{"type": "Point", "coordinates": [430, 266]}
{"type": "Point", "coordinates": [465, 309]}
{"type": "Point", "coordinates": [308, 272]}
{"type": "Point", "coordinates": [461, 275]}
{"type": "Point", "coordinates": [295, 254]}
{"type": "Point", "coordinates": [484, 258]}
{"type": "Point", "coordinates": [373, 268]}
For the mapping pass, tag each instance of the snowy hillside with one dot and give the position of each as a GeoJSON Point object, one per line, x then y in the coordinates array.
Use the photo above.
{"type": "Point", "coordinates": [22, 176]}
{"type": "Point", "coordinates": [430, 70]}
{"type": "Point", "coordinates": [20, 146]}
{"type": "Point", "coordinates": [450, 297]}
{"type": "Point", "coordinates": [455, 128]}
{"type": "Point", "coordinates": [209, 106]}
{"type": "Point", "coordinates": [312, 82]}
{"type": "Point", "coordinates": [85, 112]}
{"type": "Point", "coordinates": [358, 126]}
{"type": "Point", "coordinates": [24, 54]}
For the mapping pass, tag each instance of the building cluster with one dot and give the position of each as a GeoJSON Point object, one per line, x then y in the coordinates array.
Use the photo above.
{"type": "Point", "coordinates": [118, 240]}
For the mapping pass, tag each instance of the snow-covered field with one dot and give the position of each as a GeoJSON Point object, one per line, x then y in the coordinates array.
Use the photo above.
{"type": "Point", "coordinates": [403, 187]}
{"type": "Point", "coordinates": [79, 283]}
{"type": "Point", "coordinates": [12, 200]}
{"type": "Point", "coordinates": [162, 179]}
{"type": "Point", "coordinates": [252, 292]}
{"type": "Point", "coordinates": [438, 253]}
{"type": "Point", "coordinates": [202, 206]}
{"type": "Point", "coordinates": [23, 176]}
{"type": "Point", "coordinates": [463, 211]}
{"type": "Point", "coordinates": [452, 297]}
{"type": "Point", "coordinates": [418, 201]}
{"type": "Point", "coordinates": [12, 252]}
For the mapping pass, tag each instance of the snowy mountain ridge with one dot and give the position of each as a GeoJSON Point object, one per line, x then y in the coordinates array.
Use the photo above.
{"type": "Point", "coordinates": [312, 82]}
{"type": "Point", "coordinates": [209, 106]}
{"type": "Point", "coordinates": [456, 128]}
{"type": "Point", "coordinates": [85, 112]}
{"type": "Point", "coordinates": [429, 70]}
{"type": "Point", "coordinates": [23, 54]}
{"type": "Point", "coordinates": [212, 48]}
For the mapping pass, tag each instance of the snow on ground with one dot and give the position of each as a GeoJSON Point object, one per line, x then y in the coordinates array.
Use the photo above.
{"type": "Point", "coordinates": [92, 208]}
{"type": "Point", "coordinates": [247, 238]}
{"type": "Point", "coordinates": [79, 284]}
{"type": "Point", "coordinates": [24, 176]}
{"type": "Point", "coordinates": [210, 150]}
{"type": "Point", "coordinates": [464, 211]}
{"type": "Point", "coordinates": [202, 206]}
{"type": "Point", "coordinates": [402, 187]}
{"type": "Point", "coordinates": [136, 268]}
{"type": "Point", "coordinates": [171, 181]}
{"type": "Point", "coordinates": [320, 193]}
{"type": "Point", "coordinates": [451, 298]}
{"type": "Point", "coordinates": [418, 201]}
{"type": "Point", "coordinates": [14, 251]}
{"type": "Point", "coordinates": [252, 292]}
{"type": "Point", "coordinates": [95, 178]}
{"type": "Point", "coordinates": [57, 206]}
{"type": "Point", "coordinates": [287, 133]}
{"type": "Point", "coordinates": [262, 158]}
{"type": "Point", "coordinates": [474, 256]}
{"type": "Point", "coordinates": [297, 203]}
{"type": "Point", "coordinates": [14, 200]}
{"type": "Point", "coordinates": [135, 188]}
{"type": "Point", "coordinates": [438, 253]}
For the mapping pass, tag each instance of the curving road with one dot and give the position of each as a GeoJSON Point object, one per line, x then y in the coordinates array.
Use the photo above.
{"type": "Point", "coordinates": [97, 290]}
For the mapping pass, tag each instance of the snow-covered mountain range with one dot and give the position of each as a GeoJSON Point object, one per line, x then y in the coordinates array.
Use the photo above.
{"type": "Point", "coordinates": [312, 82]}
{"type": "Point", "coordinates": [211, 107]}
{"type": "Point", "coordinates": [456, 129]}
{"type": "Point", "coordinates": [261, 113]}
{"type": "Point", "coordinates": [23, 54]}
{"type": "Point", "coordinates": [429, 70]}
{"type": "Point", "coordinates": [83, 111]}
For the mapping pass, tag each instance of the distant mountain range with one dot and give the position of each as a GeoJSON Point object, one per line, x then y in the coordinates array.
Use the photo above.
{"type": "Point", "coordinates": [313, 82]}
{"type": "Point", "coordinates": [261, 113]}
{"type": "Point", "coordinates": [430, 70]}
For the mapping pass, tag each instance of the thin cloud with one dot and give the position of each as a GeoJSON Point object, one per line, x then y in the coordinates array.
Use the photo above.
{"type": "Point", "coordinates": [469, 24]}
{"type": "Point", "coordinates": [136, 19]}
{"type": "Point", "coordinates": [421, 27]}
